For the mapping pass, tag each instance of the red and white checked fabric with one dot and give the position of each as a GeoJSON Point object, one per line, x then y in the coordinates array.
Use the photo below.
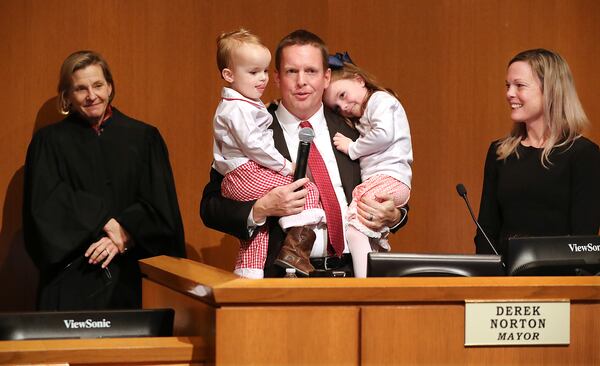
{"type": "Point", "coordinates": [376, 185]}
{"type": "Point", "coordinates": [331, 205]}
{"type": "Point", "coordinates": [251, 181]}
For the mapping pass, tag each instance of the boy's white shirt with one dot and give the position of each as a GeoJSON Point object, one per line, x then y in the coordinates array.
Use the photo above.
{"type": "Point", "coordinates": [241, 134]}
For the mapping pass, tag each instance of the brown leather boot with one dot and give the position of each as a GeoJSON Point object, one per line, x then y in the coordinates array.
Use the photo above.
{"type": "Point", "coordinates": [296, 248]}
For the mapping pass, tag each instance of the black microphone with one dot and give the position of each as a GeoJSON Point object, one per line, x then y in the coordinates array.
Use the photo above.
{"type": "Point", "coordinates": [306, 135]}
{"type": "Point", "coordinates": [462, 191]}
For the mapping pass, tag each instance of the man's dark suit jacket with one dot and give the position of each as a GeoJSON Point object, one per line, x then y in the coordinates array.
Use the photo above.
{"type": "Point", "coordinates": [231, 217]}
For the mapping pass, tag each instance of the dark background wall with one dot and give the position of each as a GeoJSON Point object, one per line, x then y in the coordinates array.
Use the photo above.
{"type": "Point", "coordinates": [446, 60]}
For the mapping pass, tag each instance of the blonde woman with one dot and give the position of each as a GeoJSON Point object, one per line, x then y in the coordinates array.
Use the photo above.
{"type": "Point", "coordinates": [544, 177]}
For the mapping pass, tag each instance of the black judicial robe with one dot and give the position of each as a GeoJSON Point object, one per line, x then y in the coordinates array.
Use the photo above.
{"type": "Point", "coordinates": [75, 181]}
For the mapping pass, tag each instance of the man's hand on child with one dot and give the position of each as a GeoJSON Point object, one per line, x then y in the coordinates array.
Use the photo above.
{"type": "Point", "coordinates": [378, 213]}
{"type": "Point", "coordinates": [281, 201]}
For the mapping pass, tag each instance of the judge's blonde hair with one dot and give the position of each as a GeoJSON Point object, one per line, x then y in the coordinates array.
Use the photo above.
{"type": "Point", "coordinates": [77, 61]}
{"type": "Point", "coordinates": [564, 118]}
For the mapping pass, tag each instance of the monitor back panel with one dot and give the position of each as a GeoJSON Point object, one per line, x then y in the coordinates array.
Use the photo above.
{"type": "Point", "coordinates": [87, 324]}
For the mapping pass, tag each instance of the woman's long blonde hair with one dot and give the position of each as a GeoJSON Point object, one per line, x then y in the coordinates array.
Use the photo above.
{"type": "Point", "coordinates": [564, 118]}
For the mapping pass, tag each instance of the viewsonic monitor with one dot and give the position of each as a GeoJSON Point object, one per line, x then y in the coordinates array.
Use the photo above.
{"type": "Point", "coordinates": [87, 324]}
{"type": "Point", "coordinates": [554, 256]}
{"type": "Point", "coordinates": [433, 265]}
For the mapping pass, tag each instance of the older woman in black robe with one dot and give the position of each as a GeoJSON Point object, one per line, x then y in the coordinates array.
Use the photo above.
{"type": "Point", "coordinates": [99, 195]}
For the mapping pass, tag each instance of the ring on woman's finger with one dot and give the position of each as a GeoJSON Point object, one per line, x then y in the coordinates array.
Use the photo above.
{"type": "Point", "coordinates": [107, 252]}
{"type": "Point", "coordinates": [371, 217]}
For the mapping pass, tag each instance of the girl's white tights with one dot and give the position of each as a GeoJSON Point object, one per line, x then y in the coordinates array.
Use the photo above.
{"type": "Point", "coordinates": [359, 246]}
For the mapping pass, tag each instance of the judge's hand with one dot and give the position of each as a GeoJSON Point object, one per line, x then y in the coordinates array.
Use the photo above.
{"type": "Point", "coordinates": [104, 250]}
{"type": "Point", "coordinates": [117, 234]}
{"type": "Point", "coordinates": [341, 142]}
{"type": "Point", "coordinates": [281, 201]}
{"type": "Point", "coordinates": [379, 212]}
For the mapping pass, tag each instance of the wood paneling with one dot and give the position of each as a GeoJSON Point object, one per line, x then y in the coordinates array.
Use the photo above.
{"type": "Point", "coordinates": [288, 335]}
{"type": "Point", "coordinates": [192, 317]}
{"type": "Point", "coordinates": [108, 351]}
{"type": "Point", "coordinates": [436, 336]}
{"type": "Point", "coordinates": [446, 59]}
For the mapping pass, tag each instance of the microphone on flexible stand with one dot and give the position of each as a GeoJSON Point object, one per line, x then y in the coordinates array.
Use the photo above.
{"type": "Point", "coordinates": [306, 135]}
{"type": "Point", "coordinates": [462, 191]}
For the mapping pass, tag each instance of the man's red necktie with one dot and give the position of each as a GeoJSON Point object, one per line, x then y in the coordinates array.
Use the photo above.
{"type": "Point", "coordinates": [328, 198]}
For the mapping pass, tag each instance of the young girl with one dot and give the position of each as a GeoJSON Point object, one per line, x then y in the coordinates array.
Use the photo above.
{"type": "Point", "coordinates": [384, 149]}
{"type": "Point", "coordinates": [244, 152]}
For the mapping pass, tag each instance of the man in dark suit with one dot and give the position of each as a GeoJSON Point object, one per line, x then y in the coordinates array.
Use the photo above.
{"type": "Point", "coordinates": [302, 74]}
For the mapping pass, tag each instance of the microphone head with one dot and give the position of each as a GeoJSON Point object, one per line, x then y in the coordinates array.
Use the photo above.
{"type": "Point", "coordinates": [462, 191]}
{"type": "Point", "coordinates": [306, 134]}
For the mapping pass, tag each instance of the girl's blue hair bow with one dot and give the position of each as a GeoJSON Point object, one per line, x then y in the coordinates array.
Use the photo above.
{"type": "Point", "coordinates": [337, 61]}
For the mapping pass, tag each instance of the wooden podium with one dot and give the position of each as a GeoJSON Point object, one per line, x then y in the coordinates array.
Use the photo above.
{"type": "Point", "coordinates": [350, 321]}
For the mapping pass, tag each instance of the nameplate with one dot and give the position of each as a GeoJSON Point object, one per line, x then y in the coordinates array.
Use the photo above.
{"type": "Point", "coordinates": [489, 323]}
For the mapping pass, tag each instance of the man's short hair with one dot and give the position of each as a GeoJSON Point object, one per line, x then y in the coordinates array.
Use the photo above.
{"type": "Point", "coordinates": [302, 37]}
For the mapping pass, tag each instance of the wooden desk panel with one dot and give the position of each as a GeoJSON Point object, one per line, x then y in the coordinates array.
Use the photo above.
{"type": "Point", "coordinates": [192, 317]}
{"type": "Point", "coordinates": [412, 335]}
{"type": "Point", "coordinates": [288, 335]}
{"type": "Point", "coordinates": [434, 335]}
{"type": "Point", "coordinates": [106, 351]}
